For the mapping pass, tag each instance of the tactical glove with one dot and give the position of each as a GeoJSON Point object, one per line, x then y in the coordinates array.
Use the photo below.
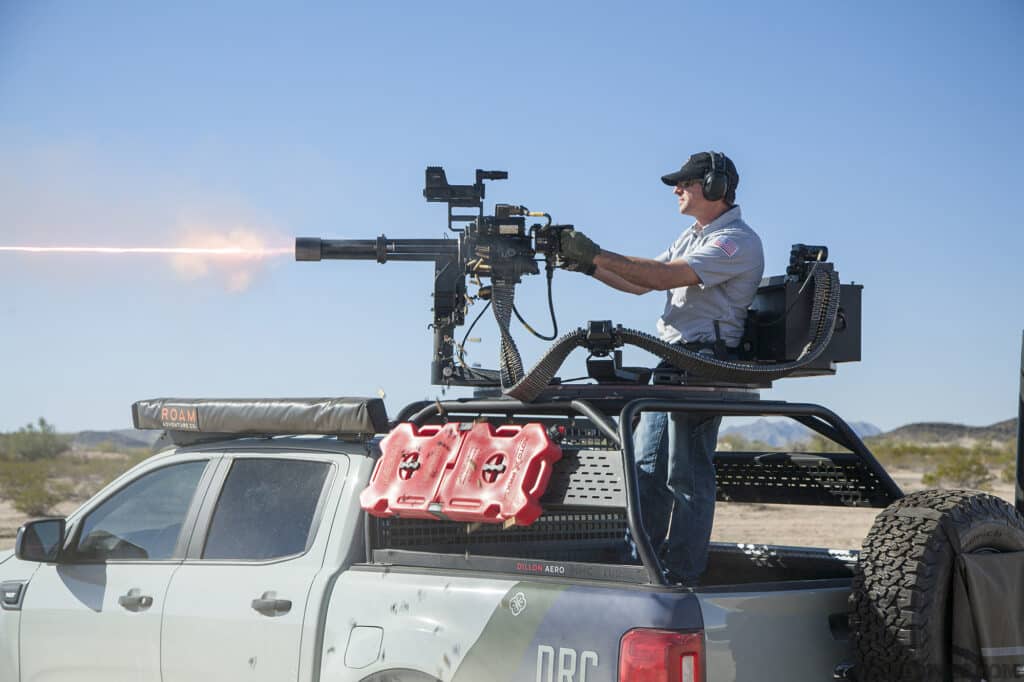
{"type": "Point", "coordinates": [576, 246]}
{"type": "Point", "coordinates": [576, 266]}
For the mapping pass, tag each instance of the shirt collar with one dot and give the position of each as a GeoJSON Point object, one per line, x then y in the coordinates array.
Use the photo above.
{"type": "Point", "coordinates": [730, 216]}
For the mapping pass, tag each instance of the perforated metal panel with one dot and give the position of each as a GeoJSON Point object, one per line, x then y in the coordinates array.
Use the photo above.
{"type": "Point", "coordinates": [582, 435]}
{"type": "Point", "coordinates": [587, 478]}
{"type": "Point", "coordinates": [593, 479]}
{"type": "Point", "coordinates": [831, 479]}
{"type": "Point", "coordinates": [555, 535]}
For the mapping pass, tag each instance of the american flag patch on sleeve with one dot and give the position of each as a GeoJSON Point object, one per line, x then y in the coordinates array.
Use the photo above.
{"type": "Point", "coordinates": [728, 246]}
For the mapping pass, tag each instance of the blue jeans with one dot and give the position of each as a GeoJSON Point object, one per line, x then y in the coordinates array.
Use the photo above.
{"type": "Point", "coordinates": [676, 478]}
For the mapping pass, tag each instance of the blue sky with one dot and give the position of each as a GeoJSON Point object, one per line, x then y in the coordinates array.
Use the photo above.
{"type": "Point", "coordinates": [888, 131]}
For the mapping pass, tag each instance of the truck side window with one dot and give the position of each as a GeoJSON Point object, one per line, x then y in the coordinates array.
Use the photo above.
{"type": "Point", "coordinates": [266, 509]}
{"type": "Point", "coordinates": [143, 520]}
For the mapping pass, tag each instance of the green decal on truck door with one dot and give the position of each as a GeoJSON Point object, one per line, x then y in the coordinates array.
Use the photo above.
{"type": "Point", "coordinates": [509, 632]}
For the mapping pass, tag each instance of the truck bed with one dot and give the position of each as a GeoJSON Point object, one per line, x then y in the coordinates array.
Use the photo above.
{"type": "Point", "coordinates": [465, 626]}
{"type": "Point", "coordinates": [582, 532]}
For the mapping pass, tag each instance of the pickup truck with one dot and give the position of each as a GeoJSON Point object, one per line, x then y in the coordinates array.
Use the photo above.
{"type": "Point", "coordinates": [241, 552]}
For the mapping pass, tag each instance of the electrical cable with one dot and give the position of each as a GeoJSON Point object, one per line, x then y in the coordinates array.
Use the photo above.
{"type": "Point", "coordinates": [551, 308]}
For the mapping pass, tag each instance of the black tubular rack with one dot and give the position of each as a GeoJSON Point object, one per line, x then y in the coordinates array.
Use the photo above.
{"type": "Point", "coordinates": [596, 485]}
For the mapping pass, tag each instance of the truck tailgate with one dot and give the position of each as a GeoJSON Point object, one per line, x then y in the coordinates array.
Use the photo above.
{"type": "Point", "coordinates": [794, 632]}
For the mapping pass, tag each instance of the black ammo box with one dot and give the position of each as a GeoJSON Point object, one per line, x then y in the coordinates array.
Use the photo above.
{"type": "Point", "coordinates": [779, 320]}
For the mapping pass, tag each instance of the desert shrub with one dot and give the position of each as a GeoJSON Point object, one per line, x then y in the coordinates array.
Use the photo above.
{"type": "Point", "coordinates": [891, 453]}
{"type": "Point", "coordinates": [734, 442]}
{"type": "Point", "coordinates": [957, 469]}
{"type": "Point", "coordinates": [92, 473]}
{"type": "Point", "coordinates": [111, 446]}
{"type": "Point", "coordinates": [35, 487]}
{"type": "Point", "coordinates": [902, 454]}
{"type": "Point", "coordinates": [30, 487]}
{"type": "Point", "coordinates": [35, 442]}
{"type": "Point", "coordinates": [999, 455]}
{"type": "Point", "coordinates": [1008, 463]}
{"type": "Point", "coordinates": [818, 443]}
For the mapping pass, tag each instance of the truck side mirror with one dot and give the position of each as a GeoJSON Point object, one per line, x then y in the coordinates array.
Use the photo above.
{"type": "Point", "coordinates": [40, 541]}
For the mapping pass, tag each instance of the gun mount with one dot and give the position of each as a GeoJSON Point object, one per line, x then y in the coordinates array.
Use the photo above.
{"type": "Point", "coordinates": [788, 333]}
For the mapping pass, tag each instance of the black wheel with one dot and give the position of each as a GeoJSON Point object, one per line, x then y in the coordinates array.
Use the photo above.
{"type": "Point", "coordinates": [400, 675]}
{"type": "Point", "coordinates": [901, 602]}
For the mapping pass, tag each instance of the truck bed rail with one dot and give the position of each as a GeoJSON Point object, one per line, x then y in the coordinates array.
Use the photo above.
{"type": "Point", "coordinates": [592, 498]}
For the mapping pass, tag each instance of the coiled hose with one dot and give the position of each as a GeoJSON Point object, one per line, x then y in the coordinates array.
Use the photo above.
{"type": "Point", "coordinates": [824, 311]}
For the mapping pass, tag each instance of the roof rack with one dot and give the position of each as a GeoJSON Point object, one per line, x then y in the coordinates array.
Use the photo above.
{"type": "Point", "coordinates": [191, 420]}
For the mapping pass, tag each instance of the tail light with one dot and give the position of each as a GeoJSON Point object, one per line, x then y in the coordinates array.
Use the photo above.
{"type": "Point", "coordinates": [648, 655]}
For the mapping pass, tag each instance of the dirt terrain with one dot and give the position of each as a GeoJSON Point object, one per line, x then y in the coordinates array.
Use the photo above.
{"type": "Point", "coordinates": [831, 527]}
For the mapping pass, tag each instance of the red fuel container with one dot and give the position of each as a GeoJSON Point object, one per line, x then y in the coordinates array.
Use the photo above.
{"type": "Point", "coordinates": [412, 465]}
{"type": "Point", "coordinates": [500, 474]}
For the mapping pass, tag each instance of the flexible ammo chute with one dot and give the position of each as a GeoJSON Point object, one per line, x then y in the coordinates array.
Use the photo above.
{"type": "Point", "coordinates": [824, 312]}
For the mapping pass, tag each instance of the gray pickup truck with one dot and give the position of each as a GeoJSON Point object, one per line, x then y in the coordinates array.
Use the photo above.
{"type": "Point", "coordinates": [241, 552]}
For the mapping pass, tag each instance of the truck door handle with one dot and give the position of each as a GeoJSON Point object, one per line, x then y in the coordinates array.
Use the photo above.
{"type": "Point", "coordinates": [135, 600]}
{"type": "Point", "coordinates": [269, 605]}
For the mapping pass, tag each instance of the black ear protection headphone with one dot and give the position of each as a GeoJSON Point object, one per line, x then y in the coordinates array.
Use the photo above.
{"type": "Point", "coordinates": [716, 180]}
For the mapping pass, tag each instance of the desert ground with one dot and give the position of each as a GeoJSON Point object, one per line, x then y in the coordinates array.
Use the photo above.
{"type": "Point", "coordinates": [834, 527]}
{"type": "Point", "coordinates": [807, 526]}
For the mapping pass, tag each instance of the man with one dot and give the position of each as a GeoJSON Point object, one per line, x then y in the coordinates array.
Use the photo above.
{"type": "Point", "coordinates": [710, 273]}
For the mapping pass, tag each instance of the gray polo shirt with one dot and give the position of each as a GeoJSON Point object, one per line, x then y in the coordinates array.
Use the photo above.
{"type": "Point", "coordinates": [727, 256]}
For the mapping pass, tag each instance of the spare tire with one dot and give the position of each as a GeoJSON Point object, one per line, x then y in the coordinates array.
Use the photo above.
{"type": "Point", "coordinates": [901, 602]}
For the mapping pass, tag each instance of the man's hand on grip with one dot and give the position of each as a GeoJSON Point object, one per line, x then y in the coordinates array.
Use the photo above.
{"type": "Point", "coordinates": [576, 266]}
{"type": "Point", "coordinates": [576, 246]}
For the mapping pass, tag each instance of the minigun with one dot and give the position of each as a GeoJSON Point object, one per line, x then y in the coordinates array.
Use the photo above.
{"type": "Point", "coordinates": [498, 247]}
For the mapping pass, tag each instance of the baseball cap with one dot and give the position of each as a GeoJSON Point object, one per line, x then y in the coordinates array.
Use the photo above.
{"type": "Point", "coordinates": [697, 166]}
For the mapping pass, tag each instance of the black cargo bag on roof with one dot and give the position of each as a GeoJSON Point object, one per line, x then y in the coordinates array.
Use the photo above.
{"type": "Point", "coordinates": [988, 617]}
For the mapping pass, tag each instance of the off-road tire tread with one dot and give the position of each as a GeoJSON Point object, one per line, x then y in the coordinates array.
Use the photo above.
{"type": "Point", "coordinates": [895, 580]}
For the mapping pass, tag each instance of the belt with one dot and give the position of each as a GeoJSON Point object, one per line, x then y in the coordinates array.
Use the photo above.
{"type": "Point", "coordinates": [731, 353]}
{"type": "Point", "coordinates": [698, 346]}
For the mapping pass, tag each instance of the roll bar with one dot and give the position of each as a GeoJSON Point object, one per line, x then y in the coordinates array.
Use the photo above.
{"type": "Point", "coordinates": [816, 417]}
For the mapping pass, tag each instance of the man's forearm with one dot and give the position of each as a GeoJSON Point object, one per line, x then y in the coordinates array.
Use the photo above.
{"type": "Point", "coordinates": [645, 272]}
{"type": "Point", "coordinates": [616, 282]}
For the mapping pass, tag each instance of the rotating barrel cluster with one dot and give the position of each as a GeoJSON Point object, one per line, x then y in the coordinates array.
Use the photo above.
{"type": "Point", "coordinates": [462, 472]}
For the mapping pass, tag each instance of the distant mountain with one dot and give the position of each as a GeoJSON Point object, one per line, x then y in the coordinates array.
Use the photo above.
{"type": "Point", "coordinates": [865, 429]}
{"type": "Point", "coordinates": [784, 432]}
{"type": "Point", "coordinates": [119, 438]}
{"type": "Point", "coordinates": [944, 432]}
{"type": "Point", "coordinates": [775, 432]}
